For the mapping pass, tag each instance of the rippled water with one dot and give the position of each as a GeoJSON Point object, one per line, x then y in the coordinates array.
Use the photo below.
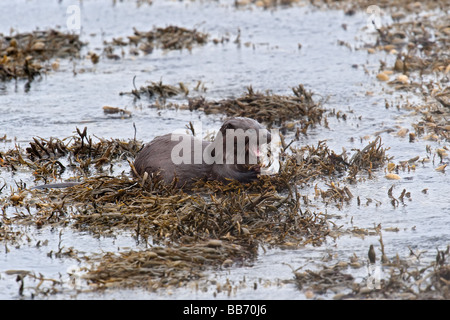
{"type": "Point", "coordinates": [268, 57]}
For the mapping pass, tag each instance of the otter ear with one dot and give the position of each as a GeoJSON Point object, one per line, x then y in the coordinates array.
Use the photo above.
{"type": "Point", "coordinates": [227, 126]}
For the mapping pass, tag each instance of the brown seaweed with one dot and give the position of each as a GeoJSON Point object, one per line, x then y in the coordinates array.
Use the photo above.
{"type": "Point", "coordinates": [165, 266]}
{"type": "Point", "coordinates": [22, 55]}
{"type": "Point", "coordinates": [168, 38]}
{"type": "Point", "coordinates": [268, 108]}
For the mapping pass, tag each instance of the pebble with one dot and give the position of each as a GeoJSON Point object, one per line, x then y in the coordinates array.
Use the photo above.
{"type": "Point", "coordinates": [393, 176]}
{"type": "Point", "coordinates": [403, 79]}
{"type": "Point", "coordinates": [382, 76]}
{"type": "Point", "coordinates": [38, 46]}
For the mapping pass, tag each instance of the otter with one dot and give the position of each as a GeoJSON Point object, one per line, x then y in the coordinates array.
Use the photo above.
{"type": "Point", "coordinates": [233, 155]}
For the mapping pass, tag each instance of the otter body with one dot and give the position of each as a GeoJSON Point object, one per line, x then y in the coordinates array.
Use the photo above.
{"type": "Point", "coordinates": [202, 159]}
{"type": "Point", "coordinates": [155, 157]}
{"type": "Point", "coordinates": [158, 155]}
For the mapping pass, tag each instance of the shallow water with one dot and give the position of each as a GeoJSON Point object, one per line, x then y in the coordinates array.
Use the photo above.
{"type": "Point", "coordinates": [268, 57]}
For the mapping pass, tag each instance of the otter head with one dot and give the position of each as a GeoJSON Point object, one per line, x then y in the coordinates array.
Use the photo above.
{"type": "Point", "coordinates": [242, 139]}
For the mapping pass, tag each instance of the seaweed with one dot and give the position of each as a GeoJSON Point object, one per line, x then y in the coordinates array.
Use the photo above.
{"type": "Point", "coordinates": [399, 279]}
{"type": "Point", "coordinates": [165, 266]}
{"type": "Point", "coordinates": [23, 54]}
{"type": "Point", "coordinates": [50, 158]}
{"type": "Point", "coordinates": [214, 225]}
{"type": "Point", "coordinates": [268, 108]}
{"type": "Point", "coordinates": [168, 38]}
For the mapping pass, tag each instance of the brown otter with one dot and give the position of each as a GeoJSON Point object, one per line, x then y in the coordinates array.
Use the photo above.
{"type": "Point", "coordinates": [233, 155]}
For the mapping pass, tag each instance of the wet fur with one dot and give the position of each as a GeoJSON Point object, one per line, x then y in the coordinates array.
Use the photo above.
{"type": "Point", "coordinates": [155, 157]}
